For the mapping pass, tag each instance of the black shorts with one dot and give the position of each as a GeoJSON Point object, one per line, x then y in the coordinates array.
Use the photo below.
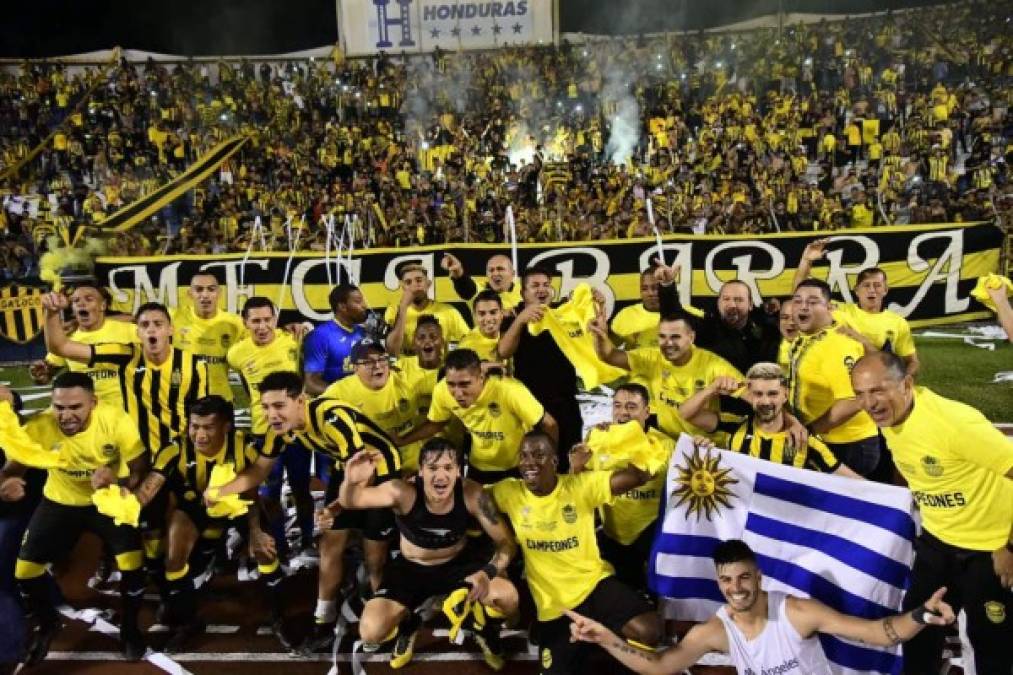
{"type": "Point", "coordinates": [192, 504]}
{"type": "Point", "coordinates": [410, 584]}
{"type": "Point", "coordinates": [55, 528]}
{"type": "Point", "coordinates": [489, 477]}
{"type": "Point", "coordinates": [611, 603]}
{"type": "Point", "coordinates": [630, 560]}
{"type": "Point", "coordinates": [154, 514]}
{"type": "Point", "coordinates": [374, 524]}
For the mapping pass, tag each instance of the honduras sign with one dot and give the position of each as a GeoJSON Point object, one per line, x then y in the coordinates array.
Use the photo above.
{"type": "Point", "coordinates": [419, 26]}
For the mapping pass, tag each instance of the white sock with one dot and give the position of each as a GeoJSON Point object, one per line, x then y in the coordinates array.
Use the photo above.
{"type": "Point", "coordinates": [326, 611]}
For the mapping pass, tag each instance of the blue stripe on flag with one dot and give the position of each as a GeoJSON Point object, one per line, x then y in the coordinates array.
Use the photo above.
{"type": "Point", "coordinates": [885, 517]}
{"type": "Point", "coordinates": [821, 589]}
{"type": "Point", "coordinates": [685, 544]}
{"type": "Point", "coordinates": [688, 587]}
{"type": "Point", "coordinates": [852, 554]}
{"type": "Point", "coordinates": [859, 658]}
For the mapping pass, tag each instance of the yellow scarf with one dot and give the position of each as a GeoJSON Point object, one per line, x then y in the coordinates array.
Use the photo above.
{"type": "Point", "coordinates": [18, 446]}
{"type": "Point", "coordinates": [226, 507]}
{"type": "Point", "coordinates": [620, 445]}
{"type": "Point", "coordinates": [993, 281]}
{"type": "Point", "coordinates": [568, 326]}
{"type": "Point", "coordinates": [119, 504]}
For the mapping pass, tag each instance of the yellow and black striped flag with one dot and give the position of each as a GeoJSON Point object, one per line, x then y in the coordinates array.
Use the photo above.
{"type": "Point", "coordinates": [21, 314]}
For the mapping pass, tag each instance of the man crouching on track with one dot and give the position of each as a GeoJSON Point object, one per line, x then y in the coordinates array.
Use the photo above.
{"type": "Point", "coordinates": [432, 513]}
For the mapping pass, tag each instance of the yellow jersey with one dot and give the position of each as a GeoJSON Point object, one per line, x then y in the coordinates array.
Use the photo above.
{"type": "Point", "coordinates": [187, 471]}
{"type": "Point", "coordinates": [636, 326]}
{"type": "Point", "coordinates": [453, 324]}
{"type": "Point", "coordinates": [887, 330]}
{"type": "Point", "coordinates": [632, 512]}
{"type": "Point", "coordinates": [394, 407]}
{"type": "Point", "coordinates": [819, 375]}
{"type": "Point", "coordinates": [109, 439]}
{"type": "Point", "coordinates": [670, 385]}
{"type": "Point", "coordinates": [784, 354]}
{"type": "Point", "coordinates": [211, 339]}
{"type": "Point", "coordinates": [254, 362]}
{"type": "Point", "coordinates": [484, 346]}
{"type": "Point", "coordinates": [955, 463]}
{"type": "Point", "coordinates": [107, 384]}
{"type": "Point", "coordinates": [556, 537]}
{"type": "Point", "coordinates": [496, 421]}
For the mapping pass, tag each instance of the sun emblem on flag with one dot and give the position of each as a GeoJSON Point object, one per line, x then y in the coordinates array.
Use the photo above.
{"type": "Point", "coordinates": [703, 485]}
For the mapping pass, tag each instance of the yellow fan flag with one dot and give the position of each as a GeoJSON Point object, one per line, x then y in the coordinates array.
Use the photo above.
{"type": "Point", "coordinates": [990, 281]}
{"type": "Point", "coordinates": [18, 446]}
{"type": "Point", "coordinates": [568, 326]}
{"type": "Point", "coordinates": [226, 507]}
{"type": "Point", "coordinates": [620, 445]}
{"type": "Point", "coordinates": [119, 504]}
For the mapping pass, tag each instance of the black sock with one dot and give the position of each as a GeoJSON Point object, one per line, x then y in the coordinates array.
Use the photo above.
{"type": "Point", "coordinates": [273, 583]}
{"type": "Point", "coordinates": [181, 601]}
{"type": "Point", "coordinates": [132, 593]}
{"type": "Point", "coordinates": [36, 595]}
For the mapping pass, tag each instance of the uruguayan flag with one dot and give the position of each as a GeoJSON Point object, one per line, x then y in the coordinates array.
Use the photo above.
{"type": "Point", "coordinates": [845, 543]}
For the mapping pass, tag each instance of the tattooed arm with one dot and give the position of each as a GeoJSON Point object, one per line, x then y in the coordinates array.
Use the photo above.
{"type": "Point", "coordinates": [701, 639]}
{"type": "Point", "coordinates": [483, 507]}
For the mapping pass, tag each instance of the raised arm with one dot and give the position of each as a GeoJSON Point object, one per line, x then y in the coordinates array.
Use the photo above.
{"type": "Point", "coordinates": [603, 346]}
{"type": "Point", "coordinates": [701, 639]}
{"type": "Point", "coordinates": [814, 250]}
{"type": "Point", "coordinates": [57, 341]}
{"type": "Point", "coordinates": [811, 616]}
{"type": "Point", "coordinates": [427, 429]}
{"type": "Point", "coordinates": [550, 426]}
{"type": "Point", "coordinates": [1003, 310]}
{"type": "Point", "coordinates": [356, 492]}
{"type": "Point", "coordinates": [510, 340]}
{"type": "Point", "coordinates": [840, 412]}
{"type": "Point", "coordinates": [694, 409]}
{"type": "Point", "coordinates": [395, 338]}
{"type": "Point", "coordinates": [464, 285]}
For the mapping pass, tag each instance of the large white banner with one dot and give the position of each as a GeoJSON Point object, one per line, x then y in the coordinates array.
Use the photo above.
{"type": "Point", "coordinates": [418, 26]}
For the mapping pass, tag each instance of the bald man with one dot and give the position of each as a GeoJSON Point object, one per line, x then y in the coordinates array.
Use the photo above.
{"type": "Point", "coordinates": [500, 277]}
{"type": "Point", "coordinates": [736, 330]}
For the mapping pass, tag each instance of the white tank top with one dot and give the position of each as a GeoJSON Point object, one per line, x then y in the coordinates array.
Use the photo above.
{"type": "Point", "coordinates": [778, 649]}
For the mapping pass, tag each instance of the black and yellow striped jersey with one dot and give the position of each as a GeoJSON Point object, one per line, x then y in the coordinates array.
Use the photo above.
{"type": "Point", "coordinates": [746, 437]}
{"type": "Point", "coordinates": [187, 471]}
{"type": "Point", "coordinates": [339, 431]}
{"type": "Point", "coordinates": [156, 396]}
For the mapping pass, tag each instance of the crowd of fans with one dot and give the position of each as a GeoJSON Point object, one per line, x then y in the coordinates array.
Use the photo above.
{"type": "Point", "coordinates": [861, 122]}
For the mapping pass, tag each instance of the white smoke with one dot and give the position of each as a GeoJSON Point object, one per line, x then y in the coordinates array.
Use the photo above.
{"type": "Point", "coordinates": [624, 117]}
{"type": "Point", "coordinates": [432, 92]}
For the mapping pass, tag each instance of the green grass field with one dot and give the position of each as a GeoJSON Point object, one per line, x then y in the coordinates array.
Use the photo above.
{"type": "Point", "coordinates": [949, 366]}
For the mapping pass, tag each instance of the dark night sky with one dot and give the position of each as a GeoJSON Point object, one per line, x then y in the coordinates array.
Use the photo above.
{"type": "Point", "coordinates": [210, 27]}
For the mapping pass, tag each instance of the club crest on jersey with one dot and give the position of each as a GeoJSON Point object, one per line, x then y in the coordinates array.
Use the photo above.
{"type": "Point", "coordinates": [225, 339]}
{"type": "Point", "coordinates": [930, 465]}
{"type": "Point", "coordinates": [494, 409]}
{"type": "Point", "coordinates": [995, 611]}
{"type": "Point", "coordinates": [109, 450]}
{"type": "Point", "coordinates": [569, 514]}
{"type": "Point", "coordinates": [402, 405]}
{"type": "Point", "coordinates": [176, 378]}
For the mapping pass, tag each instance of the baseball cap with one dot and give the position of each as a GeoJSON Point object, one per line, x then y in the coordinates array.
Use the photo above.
{"type": "Point", "coordinates": [362, 348]}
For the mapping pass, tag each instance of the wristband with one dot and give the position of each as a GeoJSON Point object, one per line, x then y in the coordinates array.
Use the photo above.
{"type": "Point", "coordinates": [920, 615]}
{"type": "Point", "coordinates": [491, 571]}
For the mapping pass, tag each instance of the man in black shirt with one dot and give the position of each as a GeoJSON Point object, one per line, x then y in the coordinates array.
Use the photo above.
{"type": "Point", "coordinates": [738, 332]}
{"type": "Point", "coordinates": [539, 363]}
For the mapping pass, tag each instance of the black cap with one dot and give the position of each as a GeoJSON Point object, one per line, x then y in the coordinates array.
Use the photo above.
{"type": "Point", "coordinates": [362, 348]}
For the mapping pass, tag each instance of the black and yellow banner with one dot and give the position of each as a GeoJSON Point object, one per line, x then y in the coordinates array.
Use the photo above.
{"type": "Point", "coordinates": [148, 205]}
{"type": "Point", "coordinates": [21, 314]}
{"type": "Point", "coordinates": [931, 269]}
